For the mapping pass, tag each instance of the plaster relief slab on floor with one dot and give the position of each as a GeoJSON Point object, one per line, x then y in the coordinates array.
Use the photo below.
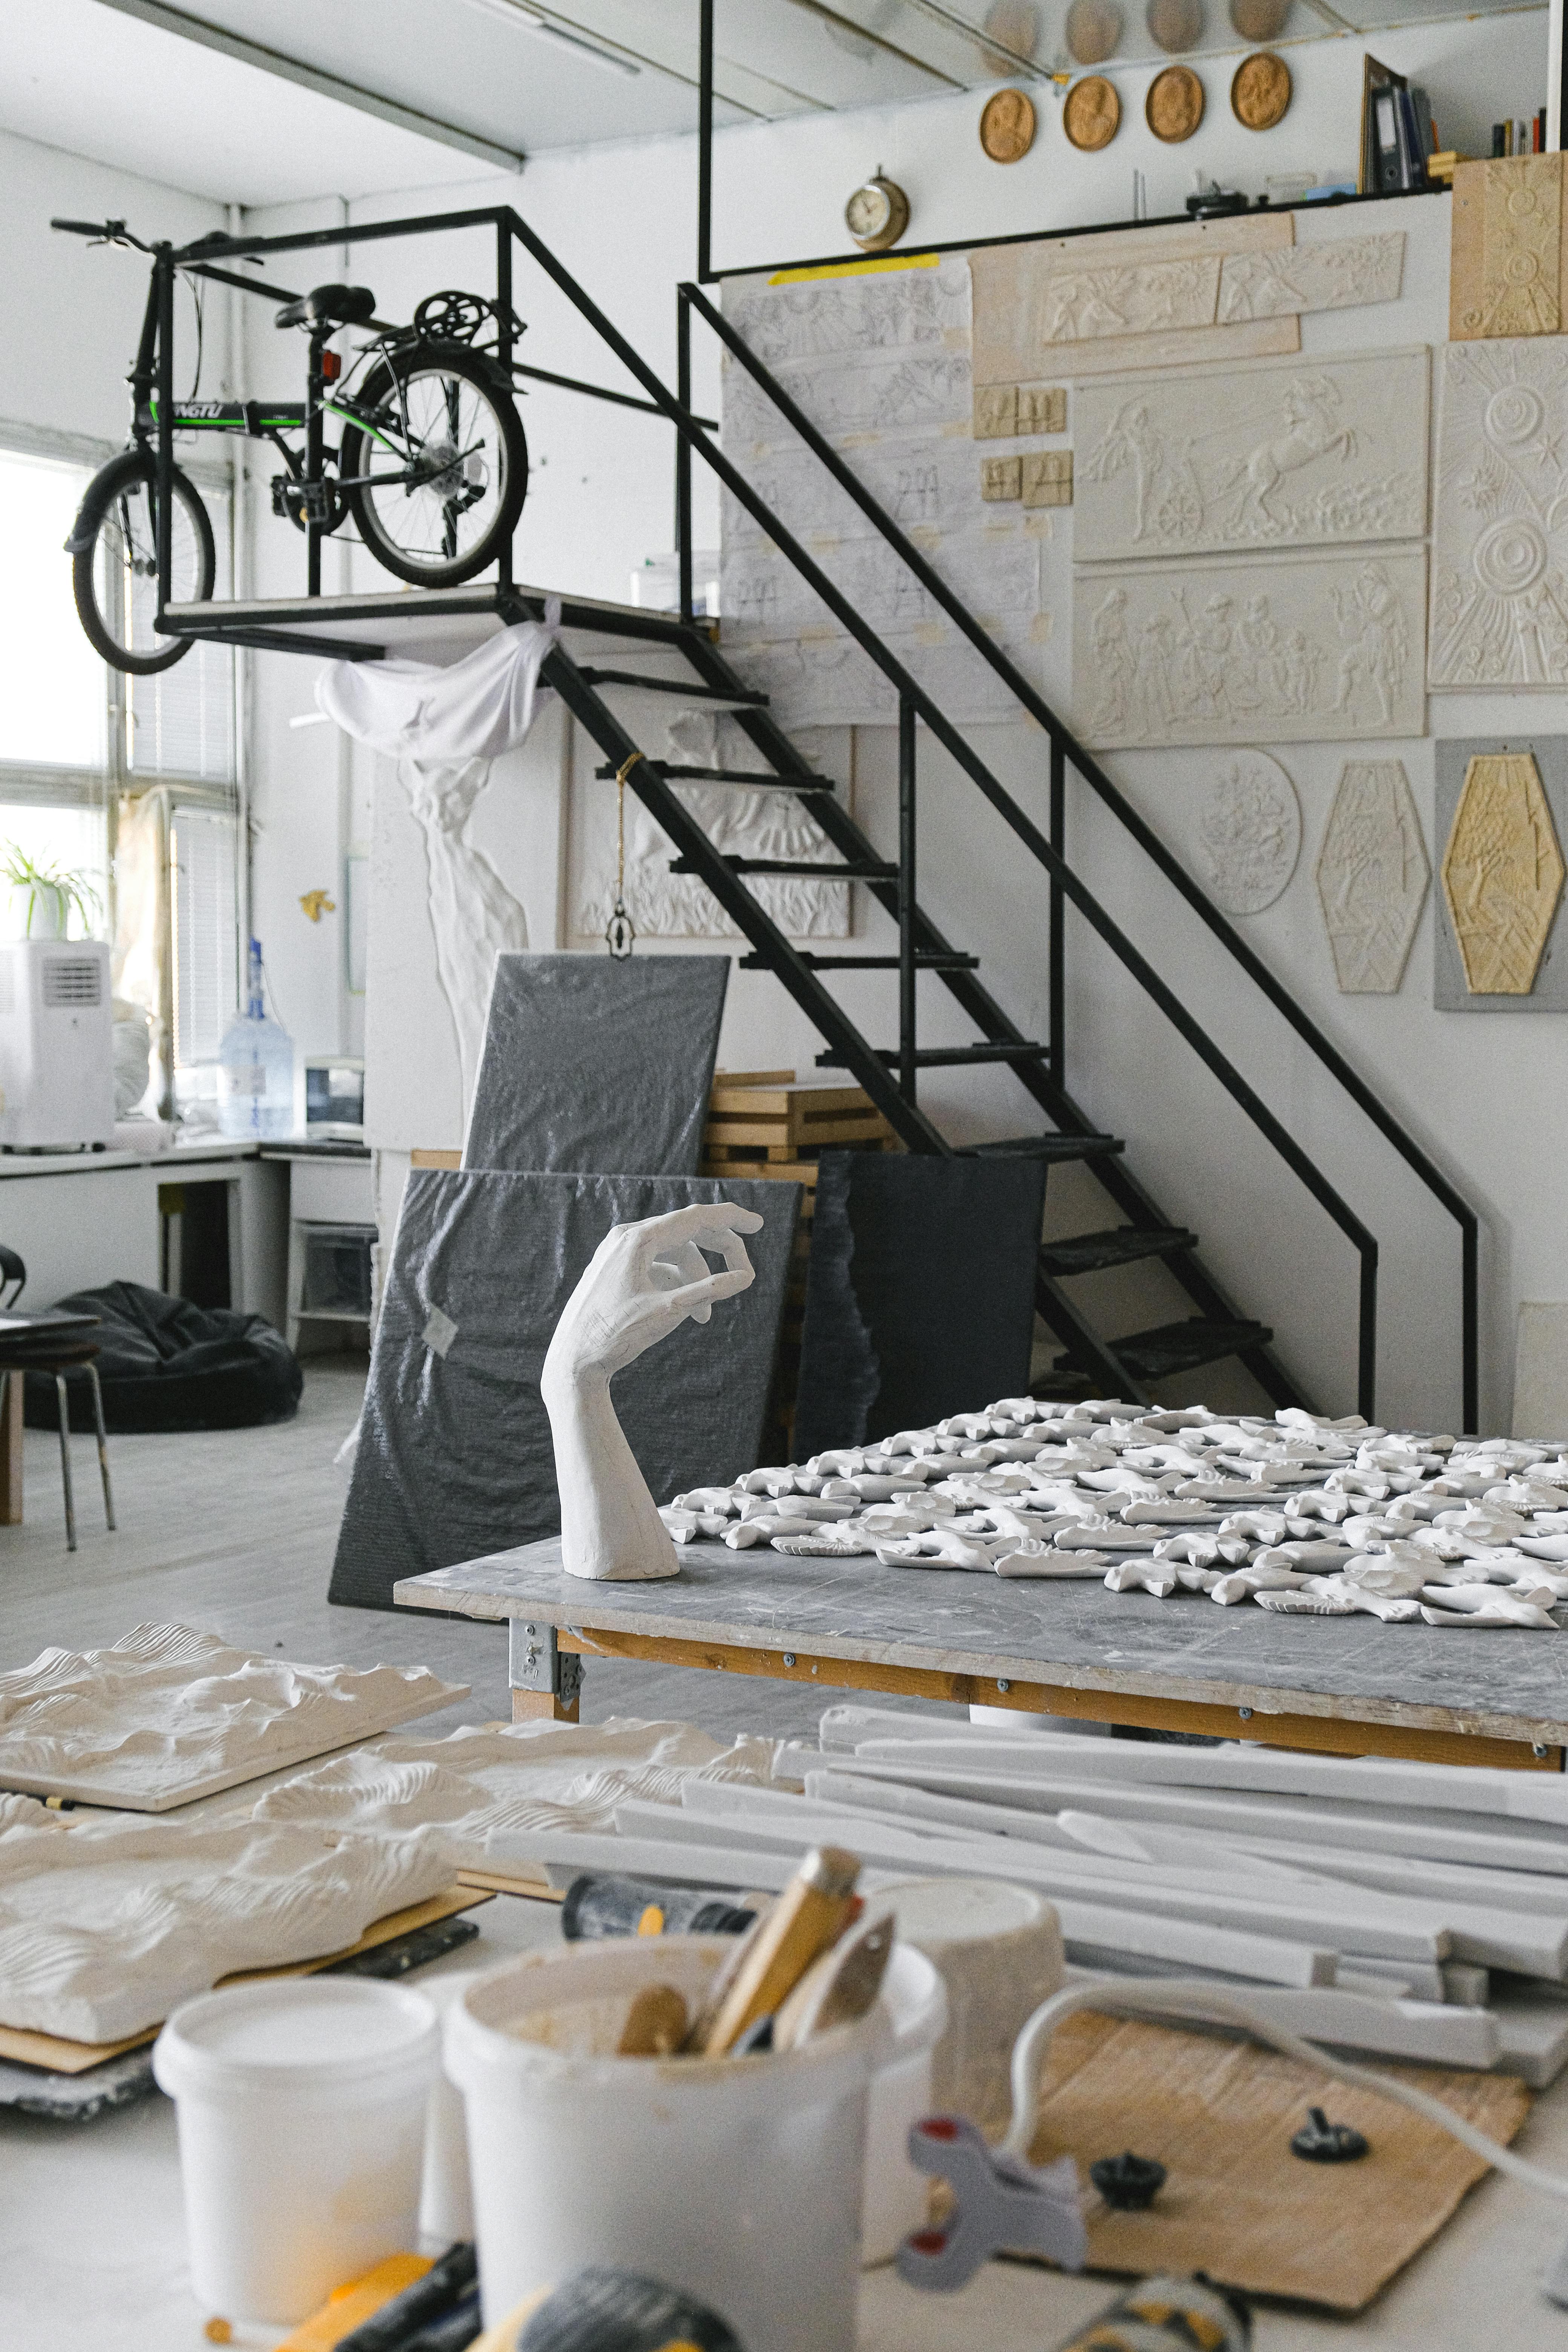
{"type": "Point", "coordinates": [1373, 874]}
{"type": "Point", "coordinates": [1300, 452]}
{"type": "Point", "coordinates": [1499, 542]}
{"type": "Point", "coordinates": [169, 1715]}
{"type": "Point", "coordinates": [1309, 649]}
{"type": "Point", "coordinates": [107, 1926]}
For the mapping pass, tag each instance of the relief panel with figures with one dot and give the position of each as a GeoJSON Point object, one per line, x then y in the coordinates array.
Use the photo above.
{"type": "Point", "coordinates": [1304, 649]}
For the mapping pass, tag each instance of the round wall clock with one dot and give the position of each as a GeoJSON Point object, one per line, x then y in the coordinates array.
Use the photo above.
{"type": "Point", "coordinates": [1008, 125]}
{"type": "Point", "coordinates": [1260, 91]}
{"type": "Point", "coordinates": [1175, 106]}
{"type": "Point", "coordinates": [878, 214]}
{"type": "Point", "coordinates": [1092, 115]}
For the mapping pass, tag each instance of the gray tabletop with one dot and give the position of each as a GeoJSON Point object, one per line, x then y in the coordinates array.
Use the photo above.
{"type": "Point", "coordinates": [1506, 1684]}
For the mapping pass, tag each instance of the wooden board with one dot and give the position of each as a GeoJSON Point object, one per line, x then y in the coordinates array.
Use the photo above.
{"type": "Point", "coordinates": [423, 1158]}
{"type": "Point", "coordinates": [1320, 1734]}
{"type": "Point", "coordinates": [63, 2057]}
{"type": "Point", "coordinates": [509, 1882]}
{"type": "Point", "coordinates": [1219, 2114]}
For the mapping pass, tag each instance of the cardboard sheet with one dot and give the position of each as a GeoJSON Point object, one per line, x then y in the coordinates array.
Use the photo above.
{"type": "Point", "coordinates": [1219, 2115]}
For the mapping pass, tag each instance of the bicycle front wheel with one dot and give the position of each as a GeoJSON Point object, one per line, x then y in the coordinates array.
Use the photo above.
{"type": "Point", "coordinates": [438, 472]}
{"type": "Point", "coordinates": [115, 562]}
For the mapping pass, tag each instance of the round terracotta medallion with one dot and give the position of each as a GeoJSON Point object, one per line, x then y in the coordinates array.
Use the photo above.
{"type": "Point", "coordinates": [1007, 126]}
{"type": "Point", "coordinates": [1175, 106]}
{"type": "Point", "coordinates": [1260, 20]}
{"type": "Point", "coordinates": [1094, 31]}
{"type": "Point", "coordinates": [1175, 26]}
{"type": "Point", "coordinates": [1092, 115]}
{"type": "Point", "coordinates": [1260, 91]}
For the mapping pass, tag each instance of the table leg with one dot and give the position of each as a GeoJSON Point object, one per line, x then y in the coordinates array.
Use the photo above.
{"type": "Point", "coordinates": [529, 1707]}
{"type": "Point", "coordinates": [546, 1682]}
{"type": "Point", "coordinates": [11, 1449]}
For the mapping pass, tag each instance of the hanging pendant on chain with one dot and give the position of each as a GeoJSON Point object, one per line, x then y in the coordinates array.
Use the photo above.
{"type": "Point", "coordinates": [620, 932]}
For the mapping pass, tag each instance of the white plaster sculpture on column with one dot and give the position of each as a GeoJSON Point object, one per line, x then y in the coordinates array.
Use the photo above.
{"type": "Point", "coordinates": [640, 1285]}
{"type": "Point", "coordinates": [445, 726]}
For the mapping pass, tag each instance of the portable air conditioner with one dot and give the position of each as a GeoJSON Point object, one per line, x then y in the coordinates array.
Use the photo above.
{"type": "Point", "coordinates": [57, 1046]}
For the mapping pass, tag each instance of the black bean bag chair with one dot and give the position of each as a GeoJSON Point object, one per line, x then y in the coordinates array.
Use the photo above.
{"type": "Point", "coordinates": [166, 1365]}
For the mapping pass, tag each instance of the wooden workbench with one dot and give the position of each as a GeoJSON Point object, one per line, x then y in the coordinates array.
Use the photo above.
{"type": "Point", "coordinates": [1351, 1685]}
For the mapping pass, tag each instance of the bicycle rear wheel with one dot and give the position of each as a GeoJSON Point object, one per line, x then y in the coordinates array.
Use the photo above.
{"type": "Point", "coordinates": [115, 562]}
{"type": "Point", "coordinates": [443, 450]}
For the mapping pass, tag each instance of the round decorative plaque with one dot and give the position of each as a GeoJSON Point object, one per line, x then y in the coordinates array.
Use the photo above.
{"type": "Point", "coordinates": [1249, 833]}
{"type": "Point", "coordinates": [1175, 106]}
{"type": "Point", "coordinates": [1260, 20]}
{"type": "Point", "coordinates": [1260, 90]}
{"type": "Point", "coordinates": [1094, 31]}
{"type": "Point", "coordinates": [1175, 26]}
{"type": "Point", "coordinates": [1092, 115]}
{"type": "Point", "coordinates": [1007, 126]}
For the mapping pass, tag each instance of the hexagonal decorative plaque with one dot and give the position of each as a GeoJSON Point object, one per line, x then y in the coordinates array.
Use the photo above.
{"type": "Point", "coordinates": [1372, 873]}
{"type": "Point", "coordinates": [1502, 873]}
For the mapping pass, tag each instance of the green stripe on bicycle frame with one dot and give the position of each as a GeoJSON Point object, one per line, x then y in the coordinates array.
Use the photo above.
{"type": "Point", "coordinates": [361, 424]}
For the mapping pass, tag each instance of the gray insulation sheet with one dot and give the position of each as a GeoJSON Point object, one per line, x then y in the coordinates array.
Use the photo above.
{"type": "Point", "coordinates": [454, 1457]}
{"type": "Point", "coordinates": [590, 1064]}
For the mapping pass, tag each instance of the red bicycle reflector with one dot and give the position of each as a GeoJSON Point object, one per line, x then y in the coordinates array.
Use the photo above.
{"type": "Point", "coordinates": [332, 366]}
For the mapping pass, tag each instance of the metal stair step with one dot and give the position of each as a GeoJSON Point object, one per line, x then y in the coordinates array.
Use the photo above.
{"type": "Point", "coordinates": [926, 960]}
{"type": "Point", "coordinates": [1118, 1246]}
{"type": "Point", "coordinates": [799, 780]}
{"type": "Point", "coordinates": [1052, 1146]}
{"type": "Point", "coordinates": [942, 1057]}
{"type": "Point", "coordinates": [738, 699]}
{"type": "Point", "coordinates": [795, 866]}
{"type": "Point", "coordinates": [1171, 1347]}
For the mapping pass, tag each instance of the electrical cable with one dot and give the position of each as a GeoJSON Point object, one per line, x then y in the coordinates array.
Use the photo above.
{"type": "Point", "coordinates": [1211, 2004]}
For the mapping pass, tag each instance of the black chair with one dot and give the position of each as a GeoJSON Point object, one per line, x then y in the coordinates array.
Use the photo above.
{"type": "Point", "coordinates": [30, 1348]}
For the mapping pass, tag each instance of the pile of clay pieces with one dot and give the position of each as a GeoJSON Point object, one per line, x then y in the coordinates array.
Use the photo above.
{"type": "Point", "coordinates": [1301, 1514]}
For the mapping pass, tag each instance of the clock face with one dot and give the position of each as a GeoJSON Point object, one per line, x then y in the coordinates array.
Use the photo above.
{"type": "Point", "coordinates": [868, 211]}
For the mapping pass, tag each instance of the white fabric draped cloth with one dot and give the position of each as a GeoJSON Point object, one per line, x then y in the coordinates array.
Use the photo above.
{"type": "Point", "coordinates": [443, 727]}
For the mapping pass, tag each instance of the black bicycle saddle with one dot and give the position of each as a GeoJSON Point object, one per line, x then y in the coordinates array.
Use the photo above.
{"type": "Point", "coordinates": [328, 306]}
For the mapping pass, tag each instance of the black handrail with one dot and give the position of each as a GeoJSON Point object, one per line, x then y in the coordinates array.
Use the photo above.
{"type": "Point", "coordinates": [1064, 744]}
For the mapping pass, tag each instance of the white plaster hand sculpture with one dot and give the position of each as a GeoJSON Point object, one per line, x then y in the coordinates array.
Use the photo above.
{"type": "Point", "coordinates": [640, 1285]}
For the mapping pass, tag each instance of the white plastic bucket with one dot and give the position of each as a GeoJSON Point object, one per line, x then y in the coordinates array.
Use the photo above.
{"type": "Point", "coordinates": [446, 2193]}
{"type": "Point", "coordinates": [302, 2117]}
{"type": "Point", "coordinates": [738, 2180]}
{"type": "Point", "coordinates": [915, 1998]}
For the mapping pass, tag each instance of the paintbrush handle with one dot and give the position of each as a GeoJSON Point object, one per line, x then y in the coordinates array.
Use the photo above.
{"type": "Point", "coordinates": [808, 1916]}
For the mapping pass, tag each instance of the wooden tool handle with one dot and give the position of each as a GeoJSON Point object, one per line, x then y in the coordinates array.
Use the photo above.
{"type": "Point", "coordinates": [808, 1916]}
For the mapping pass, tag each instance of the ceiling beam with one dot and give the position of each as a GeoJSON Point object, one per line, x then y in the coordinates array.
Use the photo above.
{"type": "Point", "coordinates": [863, 33]}
{"type": "Point", "coordinates": [312, 78]}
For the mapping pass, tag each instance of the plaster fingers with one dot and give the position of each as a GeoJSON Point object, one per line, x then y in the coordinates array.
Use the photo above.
{"type": "Point", "coordinates": [670, 1254]}
{"type": "Point", "coordinates": [1498, 1609]}
{"type": "Point", "coordinates": [1158, 1577]}
{"type": "Point", "coordinates": [1243, 1584]}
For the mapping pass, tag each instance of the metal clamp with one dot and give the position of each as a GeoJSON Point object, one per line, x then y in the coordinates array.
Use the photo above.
{"type": "Point", "coordinates": [534, 1662]}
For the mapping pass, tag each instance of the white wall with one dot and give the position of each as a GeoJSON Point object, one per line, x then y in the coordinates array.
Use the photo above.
{"type": "Point", "coordinates": [1484, 1093]}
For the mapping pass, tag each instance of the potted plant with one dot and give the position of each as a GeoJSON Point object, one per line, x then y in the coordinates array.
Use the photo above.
{"type": "Point", "coordinates": [52, 892]}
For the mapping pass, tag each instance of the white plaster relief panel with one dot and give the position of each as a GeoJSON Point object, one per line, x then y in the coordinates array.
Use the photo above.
{"type": "Point", "coordinates": [1499, 554]}
{"type": "Point", "coordinates": [739, 821]}
{"type": "Point", "coordinates": [1277, 454]}
{"type": "Point", "coordinates": [880, 362]}
{"type": "Point", "coordinates": [1372, 876]}
{"type": "Point", "coordinates": [1301, 649]}
{"type": "Point", "coordinates": [1249, 833]}
{"type": "Point", "coordinates": [1338, 277]}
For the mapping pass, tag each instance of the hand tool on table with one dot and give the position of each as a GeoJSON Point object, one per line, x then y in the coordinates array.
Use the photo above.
{"type": "Point", "coordinates": [810, 1915]}
{"type": "Point", "coordinates": [1001, 2206]}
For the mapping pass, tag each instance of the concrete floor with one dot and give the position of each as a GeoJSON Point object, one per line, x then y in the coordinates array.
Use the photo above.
{"type": "Point", "coordinates": [234, 1531]}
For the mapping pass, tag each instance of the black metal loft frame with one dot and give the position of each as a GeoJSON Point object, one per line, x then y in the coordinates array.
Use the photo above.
{"type": "Point", "coordinates": [1049, 849]}
{"type": "Point", "coordinates": [1040, 1070]}
{"type": "Point", "coordinates": [707, 276]}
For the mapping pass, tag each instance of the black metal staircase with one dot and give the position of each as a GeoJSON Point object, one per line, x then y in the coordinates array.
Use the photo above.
{"type": "Point", "coordinates": [1128, 1365]}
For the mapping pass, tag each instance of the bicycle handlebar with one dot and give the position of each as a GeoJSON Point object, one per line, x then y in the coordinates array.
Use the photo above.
{"type": "Point", "coordinates": [113, 232]}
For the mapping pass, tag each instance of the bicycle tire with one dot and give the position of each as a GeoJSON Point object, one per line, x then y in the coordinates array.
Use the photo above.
{"type": "Point", "coordinates": [447, 360]}
{"type": "Point", "coordinates": [133, 469]}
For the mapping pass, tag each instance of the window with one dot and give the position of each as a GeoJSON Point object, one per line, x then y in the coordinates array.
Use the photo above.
{"type": "Point", "coordinates": [203, 923]}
